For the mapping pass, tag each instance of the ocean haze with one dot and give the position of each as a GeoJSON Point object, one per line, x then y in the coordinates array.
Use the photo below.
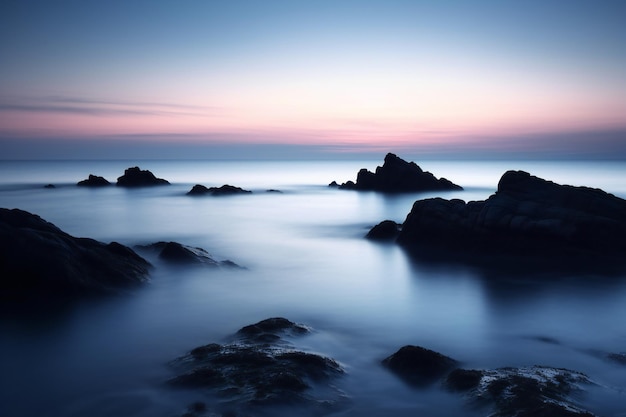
{"type": "Point", "coordinates": [306, 259]}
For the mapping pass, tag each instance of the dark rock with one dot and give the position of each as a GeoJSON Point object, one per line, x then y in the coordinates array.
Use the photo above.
{"type": "Point", "coordinates": [249, 372]}
{"type": "Point", "coordinates": [271, 190]}
{"type": "Point", "coordinates": [333, 184]}
{"type": "Point", "coordinates": [198, 189]}
{"type": "Point", "coordinates": [271, 329]}
{"type": "Point", "coordinates": [36, 257]}
{"type": "Point", "coordinates": [463, 379]}
{"type": "Point", "coordinates": [174, 252]}
{"type": "Point", "coordinates": [134, 177]}
{"type": "Point", "coordinates": [419, 366]}
{"type": "Point", "coordinates": [94, 181]}
{"type": "Point", "coordinates": [225, 189]}
{"type": "Point", "coordinates": [49, 186]}
{"type": "Point", "coordinates": [523, 392]}
{"type": "Point", "coordinates": [617, 357]}
{"type": "Point", "coordinates": [529, 219]}
{"type": "Point", "coordinates": [385, 230]}
{"type": "Point", "coordinates": [398, 175]}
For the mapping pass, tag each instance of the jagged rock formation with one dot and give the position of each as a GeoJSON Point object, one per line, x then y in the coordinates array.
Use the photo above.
{"type": "Point", "coordinates": [135, 177]}
{"type": "Point", "coordinates": [528, 218]}
{"type": "Point", "coordinates": [397, 175]}
{"type": "Point", "coordinates": [94, 181]}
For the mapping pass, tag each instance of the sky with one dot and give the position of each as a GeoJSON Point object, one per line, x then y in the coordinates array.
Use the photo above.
{"type": "Point", "coordinates": [224, 79]}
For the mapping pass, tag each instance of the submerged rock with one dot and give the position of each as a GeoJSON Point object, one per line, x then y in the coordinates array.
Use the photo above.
{"type": "Point", "coordinates": [49, 186]}
{"type": "Point", "coordinates": [94, 181]}
{"type": "Point", "coordinates": [419, 366]}
{"type": "Point", "coordinates": [528, 219]}
{"type": "Point", "coordinates": [398, 175]}
{"type": "Point", "coordinates": [36, 257]}
{"type": "Point", "coordinates": [260, 367]}
{"type": "Point", "coordinates": [135, 177]}
{"type": "Point", "coordinates": [175, 252]}
{"type": "Point", "coordinates": [225, 189]}
{"type": "Point", "coordinates": [619, 358]}
{"type": "Point", "coordinates": [535, 391]}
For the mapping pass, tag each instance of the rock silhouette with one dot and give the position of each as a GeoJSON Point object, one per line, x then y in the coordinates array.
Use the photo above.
{"type": "Point", "coordinates": [225, 189]}
{"type": "Point", "coordinates": [36, 257]}
{"type": "Point", "coordinates": [528, 218]}
{"type": "Point", "coordinates": [385, 230]}
{"type": "Point", "coordinates": [397, 175]}
{"type": "Point", "coordinates": [419, 366]}
{"type": "Point", "coordinates": [135, 177]}
{"type": "Point", "coordinates": [94, 181]}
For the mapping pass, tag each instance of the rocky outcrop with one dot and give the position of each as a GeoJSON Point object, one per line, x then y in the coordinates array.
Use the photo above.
{"type": "Point", "coordinates": [260, 367]}
{"type": "Point", "coordinates": [543, 223]}
{"type": "Point", "coordinates": [135, 177]}
{"type": "Point", "coordinates": [385, 230]}
{"type": "Point", "coordinates": [37, 258]}
{"type": "Point", "coordinates": [94, 181]}
{"type": "Point", "coordinates": [177, 253]}
{"type": "Point", "coordinates": [225, 189]}
{"type": "Point", "coordinates": [535, 391]}
{"type": "Point", "coordinates": [419, 366]}
{"type": "Point", "coordinates": [398, 175]}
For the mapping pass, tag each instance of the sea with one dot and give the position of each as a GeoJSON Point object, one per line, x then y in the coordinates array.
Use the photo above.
{"type": "Point", "coordinates": [305, 258]}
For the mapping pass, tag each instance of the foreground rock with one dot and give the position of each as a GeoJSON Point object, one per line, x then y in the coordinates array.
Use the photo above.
{"type": "Point", "coordinates": [174, 252]}
{"type": "Point", "coordinates": [260, 367]}
{"type": "Point", "coordinates": [225, 189]}
{"type": "Point", "coordinates": [37, 258]}
{"type": "Point", "coordinates": [397, 175]}
{"type": "Point", "coordinates": [419, 366]}
{"type": "Point", "coordinates": [528, 219]}
{"type": "Point", "coordinates": [135, 177]}
{"type": "Point", "coordinates": [535, 391]}
{"type": "Point", "coordinates": [94, 181]}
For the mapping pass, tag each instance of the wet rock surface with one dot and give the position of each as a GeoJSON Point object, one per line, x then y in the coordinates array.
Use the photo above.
{"type": "Point", "coordinates": [38, 258]}
{"type": "Point", "coordinates": [542, 223]}
{"type": "Point", "coordinates": [225, 189]}
{"type": "Point", "coordinates": [177, 253]}
{"type": "Point", "coordinates": [535, 391]}
{"type": "Point", "coordinates": [504, 392]}
{"type": "Point", "coordinates": [397, 175]}
{"type": "Point", "coordinates": [135, 177]}
{"type": "Point", "coordinates": [94, 181]}
{"type": "Point", "coordinates": [260, 367]}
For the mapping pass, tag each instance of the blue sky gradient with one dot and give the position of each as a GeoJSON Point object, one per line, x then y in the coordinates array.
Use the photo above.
{"type": "Point", "coordinates": [467, 77]}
